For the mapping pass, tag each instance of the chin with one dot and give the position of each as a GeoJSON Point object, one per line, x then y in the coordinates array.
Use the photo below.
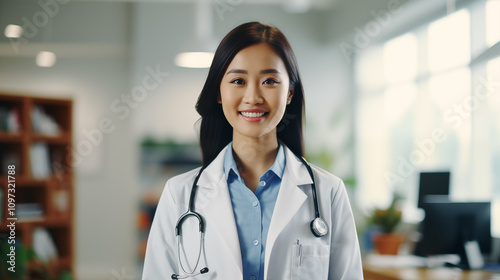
{"type": "Point", "coordinates": [256, 133]}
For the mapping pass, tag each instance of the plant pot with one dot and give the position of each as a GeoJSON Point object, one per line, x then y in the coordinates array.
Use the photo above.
{"type": "Point", "coordinates": [387, 243]}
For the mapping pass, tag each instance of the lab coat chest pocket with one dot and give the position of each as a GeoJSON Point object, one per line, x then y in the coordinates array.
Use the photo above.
{"type": "Point", "coordinates": [310, 262]}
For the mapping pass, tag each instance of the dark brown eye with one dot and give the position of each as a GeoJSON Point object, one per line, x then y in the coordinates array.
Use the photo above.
{"type": "Point", "coordinates": [238, 81]}
{"type": "Point", "coordinates": [270, 82]}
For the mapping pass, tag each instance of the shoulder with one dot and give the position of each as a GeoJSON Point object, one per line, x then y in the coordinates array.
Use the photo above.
{"type": "Point", "coordinates": [328, 182]}
{"type": "Point", "coordinates": [325, 181]}
{"type": "Point", "coordinates": [183, 178]}
{"type": "Point", "coordinates": [180, 185]}
{"type": "Point", "coordinates": [325, 177]}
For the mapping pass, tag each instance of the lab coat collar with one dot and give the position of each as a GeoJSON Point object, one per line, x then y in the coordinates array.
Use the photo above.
{"type": "Point", "coordinates": [297, 170]}
{"type": "Point", "coordinates": [215, 171]}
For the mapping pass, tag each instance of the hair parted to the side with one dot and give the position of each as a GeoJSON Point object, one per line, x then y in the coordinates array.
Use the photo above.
{"type": "Point", "coordinates": [215, 130]}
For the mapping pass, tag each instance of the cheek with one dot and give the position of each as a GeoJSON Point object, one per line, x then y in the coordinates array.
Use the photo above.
{"type": "Point", "coordinates": [224, 94]}
{"type": "Point", "coordinates": [228, 102]}
{"type": "Point", "coordinates": [280, 101]}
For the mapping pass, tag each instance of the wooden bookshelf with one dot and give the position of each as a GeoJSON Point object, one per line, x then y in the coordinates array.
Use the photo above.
{"type": "Point", "coordinates": [51, 190]}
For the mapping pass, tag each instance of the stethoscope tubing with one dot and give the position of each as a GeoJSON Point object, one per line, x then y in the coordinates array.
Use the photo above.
{"type": "Point", "coordinates": [313, 187]}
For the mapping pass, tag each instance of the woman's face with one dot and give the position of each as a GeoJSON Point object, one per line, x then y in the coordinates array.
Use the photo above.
{"type": "Point", "coordinates": [255, 91]}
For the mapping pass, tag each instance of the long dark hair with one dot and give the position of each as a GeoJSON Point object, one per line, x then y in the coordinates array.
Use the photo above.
{"type": "Point", "coordinates": [215, 130]}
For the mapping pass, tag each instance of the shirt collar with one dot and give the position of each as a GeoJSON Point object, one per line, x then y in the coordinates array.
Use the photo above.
{"type": "Point", "coordinates": [230, 164]}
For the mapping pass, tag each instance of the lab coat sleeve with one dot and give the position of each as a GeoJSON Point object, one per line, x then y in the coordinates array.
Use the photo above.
{"type": "Point", "coordinates": [160, 261]}
{"type": "Point", "coordinates": [345, 259]}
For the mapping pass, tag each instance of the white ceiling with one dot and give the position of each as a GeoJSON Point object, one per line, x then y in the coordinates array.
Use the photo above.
{"type": "Point", "coordinates": [297, 6]}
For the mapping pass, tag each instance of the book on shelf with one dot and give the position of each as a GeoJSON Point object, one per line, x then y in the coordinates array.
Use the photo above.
{"type": "Point", "coordinates": [61, 201]}
{"type": "Point", "coordinates": [9, 120]}
{"type": "Point", "coordinates": [40, 161]}
{"type": "Point", "coordinates": [44, 245]}
{"type": "Point", "coordinates": [43, 123]}
{"type": "Point", "coordinates": [27, 211]}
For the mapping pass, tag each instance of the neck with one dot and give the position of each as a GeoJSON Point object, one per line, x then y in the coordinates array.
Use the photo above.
{"type": "Point", "coordinates": [254, 156]}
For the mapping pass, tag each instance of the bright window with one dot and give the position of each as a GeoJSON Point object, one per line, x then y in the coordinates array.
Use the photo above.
{"type": "Point", "coordinates": [492, 22]}
{"type": "Point", "coordinates": [400, 59]}
{"type": "Point", "coordinates": [493, 101]}
{"type": "Point", "coordinates": [449, 42]}
{"type": "Point", "coordinates": [449, 91]}
{"type": "Point", "coordinates": [419, 84]}
{"type": "Point", "coordinates": [368, 78]}
{"type": "Point", "coordinates": [399, 100]}
{"type": "Point", "coordinates": [493, 74]}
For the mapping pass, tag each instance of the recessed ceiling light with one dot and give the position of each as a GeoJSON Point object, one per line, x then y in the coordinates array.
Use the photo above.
{"type": "Point", "coordinates": [46, 59]}
{"type": "Point", "coordinates": [13, 31]}
{"type": "Point", "coordinates": [194, 59]}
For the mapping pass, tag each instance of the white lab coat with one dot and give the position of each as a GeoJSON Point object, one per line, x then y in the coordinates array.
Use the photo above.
{"type": "Point", "coordinates": [334, 256]}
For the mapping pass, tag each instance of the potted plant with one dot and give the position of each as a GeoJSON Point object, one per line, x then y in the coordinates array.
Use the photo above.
{"type": "Point", "coordinates": [387, 241]}
{"type": "Point", "coordinates": [28, 266]}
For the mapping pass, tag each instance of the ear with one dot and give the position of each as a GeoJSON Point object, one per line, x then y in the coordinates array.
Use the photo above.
{"type": "Point", "coordinates": [290, 95]}
{"type": "Point", "coordinates": [219, 100]}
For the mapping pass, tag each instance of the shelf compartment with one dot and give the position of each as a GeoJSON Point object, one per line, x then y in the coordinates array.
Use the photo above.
{"type": "Point", "coordinates": [11, 154]}
{"type": "Point", "coordinates": [62, 238]}
{"type": "Point", "coordinates": [61, 198]}
{"type": "Point", "coordinates": [11, 114]}
{"type": "Point", "coordinates": [60, 156]}
{"type": "Point", "coordinates": [50, 161]}
{"type": "Point", "coordinates": [31, 204]}
{"type": "Point", "coordinates": [50, 112]}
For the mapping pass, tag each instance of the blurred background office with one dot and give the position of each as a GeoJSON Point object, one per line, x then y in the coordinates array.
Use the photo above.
{"type": "Point", "coordinates": [393, 89]}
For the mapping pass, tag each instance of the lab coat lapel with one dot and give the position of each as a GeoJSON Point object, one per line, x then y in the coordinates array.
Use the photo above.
{"type": "Point", "coordinates": [213, 197]}
{"type": "Point", "coordinates": [290, 199]}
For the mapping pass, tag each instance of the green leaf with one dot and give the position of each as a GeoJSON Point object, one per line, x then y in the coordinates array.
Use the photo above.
{"type": "Point", "coordinates": [66, 276]}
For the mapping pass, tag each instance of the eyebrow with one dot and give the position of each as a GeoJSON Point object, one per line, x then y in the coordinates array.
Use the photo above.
{"type": "Point", "coordinates": [265, 71]}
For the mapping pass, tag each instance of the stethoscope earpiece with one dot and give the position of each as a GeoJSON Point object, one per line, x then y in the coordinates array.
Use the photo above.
{"type": "Point", "coordinates": [177, 276]}
{"type": "Point", "coordinates": [204, 270]}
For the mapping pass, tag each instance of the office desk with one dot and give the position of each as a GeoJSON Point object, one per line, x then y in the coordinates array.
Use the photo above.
{"type": "Point", "coordinates": [442, 273]}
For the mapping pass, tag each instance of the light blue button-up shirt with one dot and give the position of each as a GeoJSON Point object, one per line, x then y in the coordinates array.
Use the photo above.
{"type": "Point", "coordinates": [253, 212]}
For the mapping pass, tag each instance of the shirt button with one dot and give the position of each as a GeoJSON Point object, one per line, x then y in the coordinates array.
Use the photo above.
{"type": "Point", "coordinates": [262, 183]}
{"type": "Point", "coordinates": [256, 242]}
{"type": "Point", "coordinates": [255, 203]}
{"type": "Point", "coordinates": [252, 277]}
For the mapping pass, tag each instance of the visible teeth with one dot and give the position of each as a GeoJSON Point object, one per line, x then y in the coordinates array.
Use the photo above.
{"type": "Point", "coordinates": [252, 115]}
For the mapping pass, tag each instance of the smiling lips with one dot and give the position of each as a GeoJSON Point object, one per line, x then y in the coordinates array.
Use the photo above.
{"type": "Point", "coordinates": [253, 115]}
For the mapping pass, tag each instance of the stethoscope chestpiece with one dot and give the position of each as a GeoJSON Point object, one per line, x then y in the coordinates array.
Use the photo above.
{"type": "Point", "coordinates": [319, 227]}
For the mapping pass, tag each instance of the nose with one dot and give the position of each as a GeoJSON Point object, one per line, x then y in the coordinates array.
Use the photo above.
{"type": "Point", "coordinates": [253, 95]}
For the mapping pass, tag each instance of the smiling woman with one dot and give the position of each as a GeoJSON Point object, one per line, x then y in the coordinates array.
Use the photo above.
{"type": "Point", "coordinates": [263, 211]}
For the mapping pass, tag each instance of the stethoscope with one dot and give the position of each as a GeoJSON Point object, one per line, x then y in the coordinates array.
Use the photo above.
{"type": "Point", "coordinates": [319, 227]}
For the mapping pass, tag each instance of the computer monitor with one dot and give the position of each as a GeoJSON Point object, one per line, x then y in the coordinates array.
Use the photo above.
{"type": "Point", "coordinates": [433, 183]}
{"type": "Point", "coordinates": [447, 225]}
